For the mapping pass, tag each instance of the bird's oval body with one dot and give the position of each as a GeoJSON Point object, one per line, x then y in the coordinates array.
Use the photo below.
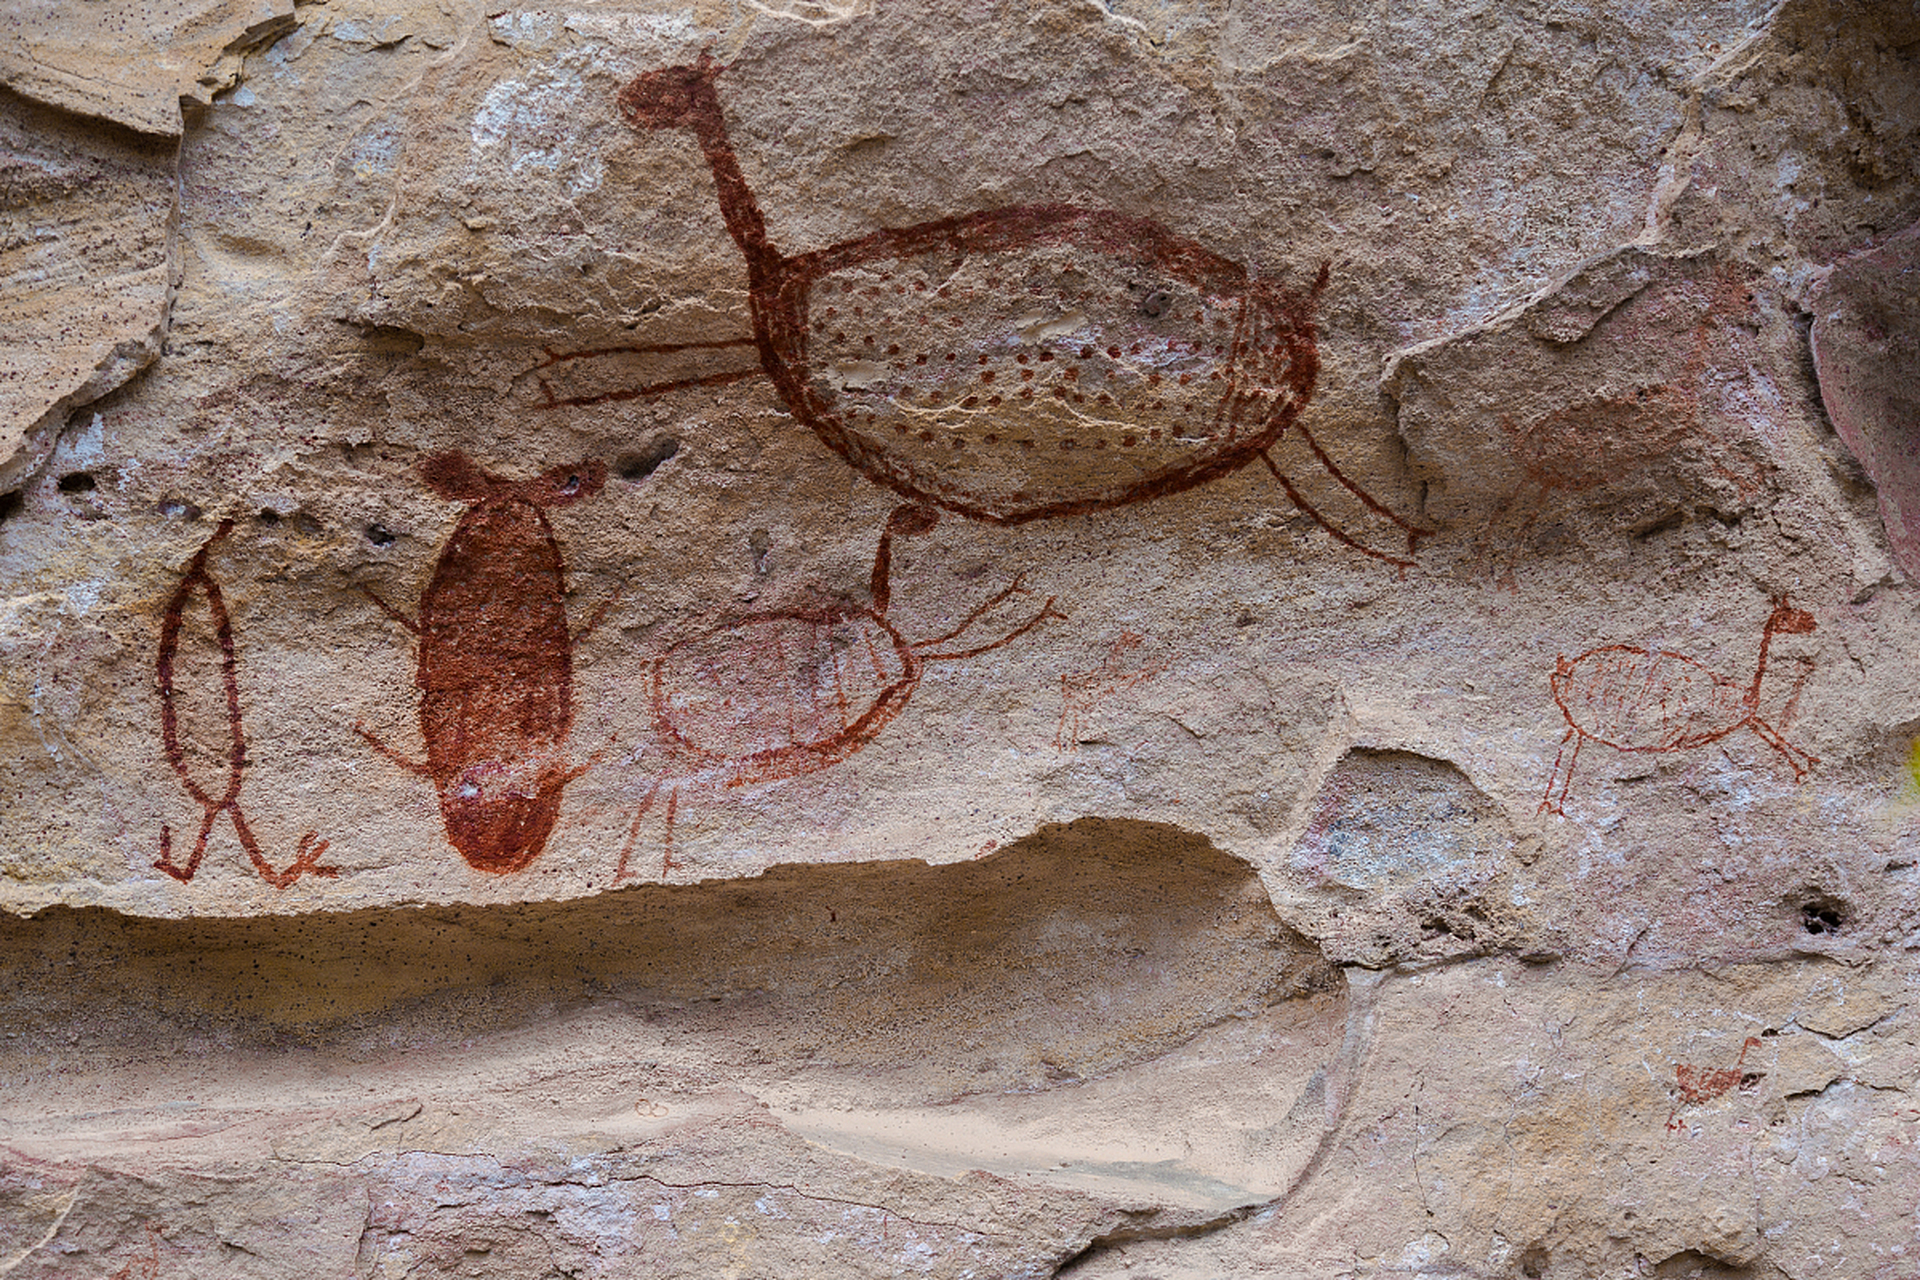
{"type": "Point", "coordinates": [1038, 361]}
{"type": "Point", "coordinates": [782, 693]}
{"type": "Point", "coordinates": [1636, 699]}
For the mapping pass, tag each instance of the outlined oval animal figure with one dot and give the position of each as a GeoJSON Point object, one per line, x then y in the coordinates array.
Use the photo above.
{"type": "Point", "coordinates": [199, 579]}
{"type": "Point", "coordinates": [786, 692]}
{"type": "Point", "coordinates": [496, 662]}
{"type": "Point", "coordinates": [1014, 364]}
{"type": "Point", "coordinates": [1641, 700]}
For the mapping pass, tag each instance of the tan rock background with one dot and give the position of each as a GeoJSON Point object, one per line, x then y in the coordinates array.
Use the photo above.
{"type": "Point", "coordinates": [474, 805]}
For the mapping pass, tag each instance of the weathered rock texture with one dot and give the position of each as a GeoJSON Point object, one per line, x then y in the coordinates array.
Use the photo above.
{"type": "Point", "coordinates": [1158, 637]}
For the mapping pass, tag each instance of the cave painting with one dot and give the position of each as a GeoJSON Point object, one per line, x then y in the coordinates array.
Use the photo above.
{"type": "Point", "coordinates": [1695, 1086]}
{"type": "Point", "coordinates": [1634, 699]}
{"type": "Point", "coordinates": [1082, 691]}
{"type": "Point", "coordinates": [787, 692]}
{"type": "Point", "coordinates": [306, 860]}
{"type": "Point", "coordinates": [1012, 364]}
{"type": "Point", "coordinates": [496, 662]}
{"type": "Point", "coordinates": [1598, 440]}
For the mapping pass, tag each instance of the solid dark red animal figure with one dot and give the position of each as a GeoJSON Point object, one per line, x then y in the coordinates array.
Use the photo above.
{"type": "Point", "coordinates": [496, 662]}
{"type": "Point", "coordinates": [775, 695]}
{"type": "Point", "coordinates": [1013, 364]}
{"type": "Point", "coordinates": [1634, 699]}
{"type": "Point", "coordinates": [307, 860]}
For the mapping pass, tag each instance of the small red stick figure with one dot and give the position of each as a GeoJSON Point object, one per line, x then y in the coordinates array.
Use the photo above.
{"type": "Point", "coordinates": [1695, 1086]}
{"type": "Point", "coordinates": [1634, 699]}
{"type": "Point", "coordinates": [307, 859]}
{"type": "Point", "coordinates": [149, 1265]}
{"type": "Point", "coordinates": [496, 662]}
{"type": "Point", "coordinates": [1082, 691]}
{"type": "Point", "coordinates": [1015, 364]}
{"type": "Point", "coordinates": [788, 692]}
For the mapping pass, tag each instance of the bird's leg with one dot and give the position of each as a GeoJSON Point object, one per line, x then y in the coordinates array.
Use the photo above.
{"type": "Point", "coordinates": [633, 832]}
{"type": "Point", "coordinates": [165, 861]}
{"type": "Point", "coordinates": [1798, 760]}
{"type": "Point", "coordinates": [1414, 532]}
{"type": "Point", "coordinates": [1294, 496]}
{"type": "Point", "coordinates": [1548, 804]}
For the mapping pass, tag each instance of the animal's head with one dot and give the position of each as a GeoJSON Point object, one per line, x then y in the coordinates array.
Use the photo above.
{"type": "Point", "coordinates": [458, 478]}
{"type": "Point", "coordinates": [671, 97]}
{"type": "Point", "coordinates": [1787, 620]}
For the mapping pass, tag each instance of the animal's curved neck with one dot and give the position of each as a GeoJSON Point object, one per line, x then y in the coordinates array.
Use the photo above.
{"type": "Point", "coordinates": [737, 205]}
{"type": "Point", "coordinates": [1760, 668]}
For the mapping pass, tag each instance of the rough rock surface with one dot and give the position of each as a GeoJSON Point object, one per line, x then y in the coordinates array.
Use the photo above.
{"type": "Point", "coordinates": [1146, 637]}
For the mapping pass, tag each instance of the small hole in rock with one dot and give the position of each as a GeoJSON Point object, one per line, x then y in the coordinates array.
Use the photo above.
{"type": "Point", "coordinates": [11, 504]}
{"type": "Point", "coordinates": [1533, 1263]}
{"type": "Point", "coordinates": [638, 466]}
{"type": "Point", "coordinates": [76, 482]}
{"type": "Point", "coordinates": [268, 516]}
{"type": "Point", "coordinates": [380, 536]}
{"type": "Point", "coordinates": [1822, 915]}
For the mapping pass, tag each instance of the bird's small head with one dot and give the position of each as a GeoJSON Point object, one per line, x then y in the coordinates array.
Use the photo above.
{"type": "Point", "coordinates": [1787, 620]}
{"type": "Point", "coordinates": [670, 98]}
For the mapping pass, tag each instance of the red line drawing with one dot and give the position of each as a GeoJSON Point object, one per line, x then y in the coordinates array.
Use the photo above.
{"type": "Point", "coordinates": [1634, 699]}
{"type": "Point", "coordinates": [1695, 1086]}
{"type": "Point", "coordinates": [1597, 441]}
{"type": "Point", "coordinates": [1083, 691]}
{"type": "Point", "coordinates": [307, 858]}
{"type": "Point", "coordinates": [496, 662]}
{"type": "Point", "coordinates": [1013, 364]}
{"type": "Point", "coordinates": [149, 1265]}
{"type": "Point", "coordinates": [787, 692]}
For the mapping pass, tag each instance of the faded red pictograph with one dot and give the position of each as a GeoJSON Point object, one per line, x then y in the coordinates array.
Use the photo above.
{"type": "Point", "coordinates": [496, 662]}
{"type": "Point", "coordinates": [1635, 699]}
{"type": "Point", "coordinates": [1603, 438]}
{"type": "Point", "coordinates": [1695, 1086]}
{"type": "Point", "coordinates": [149, 1266]}
{"type": "Point", "coordinates": [775, 695]}
{"type": "Point", "coordinates": [1013, 364]}
{"type": "Point", "coordinates": [1083, 691]}
{"type": "Point", "coordinates": [223, 797]}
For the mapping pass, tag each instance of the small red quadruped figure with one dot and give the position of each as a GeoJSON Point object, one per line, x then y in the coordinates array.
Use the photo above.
{"type": "Point", "coordinates": [1634, 699]}
{"type": "Point", "coordinates": [788, 692]}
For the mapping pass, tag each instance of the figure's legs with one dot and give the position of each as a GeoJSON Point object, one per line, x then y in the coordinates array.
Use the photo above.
{"type": "Point", "coordinates": [165, 861]}
{"type": "Point", "coordinates": [306, 859]}
{"type": "Point", "coordinates": [1549, 803]}
{"type": "Point", "coordinates": [1798, 760]}
{"type": "Point", "coordinates": [1294, 496]}
{"type": "Point", "coordinates": [633, 832]}
{"type": "Point", "coordinates": [1414, 532]}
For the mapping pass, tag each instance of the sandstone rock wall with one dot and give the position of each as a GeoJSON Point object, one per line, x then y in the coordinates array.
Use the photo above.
{"type": "Point", "coordinates": [1142, 637]}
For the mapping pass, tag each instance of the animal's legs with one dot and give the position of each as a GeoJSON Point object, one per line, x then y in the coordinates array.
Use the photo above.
{"type": "Point", "coordinates": [1414, 532]}
{"type": "Point", "coordinates": [165, 861]}
{"type": "Point", "coordinates": [666, 860]}
{"type": "Point", "coordinates": [1294, 496]}
{"type": "Point", "coordinates": [633, 832]}
{"type": "Point", "coordinates": [1796, 759]}
{"type": "Point", "coordinates": [307, 859]}
{"type": "Point", "coordinates": [1548, 804]}
{"type": "Point", "coordinates": [1046, 611]}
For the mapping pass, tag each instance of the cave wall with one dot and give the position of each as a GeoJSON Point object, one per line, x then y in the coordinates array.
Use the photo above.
{"type": "Point", "coordinates": [1153, 637]}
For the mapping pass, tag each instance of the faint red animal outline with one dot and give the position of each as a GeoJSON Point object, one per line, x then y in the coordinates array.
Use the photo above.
{"type": "Point", "coordinates": [1696, 1086]}
{"type": "Point", "coordinates": [796, 736]}
{"type": "Point", "coordinates": [1633, 699]}
{"type": "Point", "coordinates": [496, 661]}
{"type": "Point", "coordinates": [307, 859]}
{"type": "Point", "coordinates": [149, 1265]}
{"type": "Point", "coordinates": [1267, 377]}
{"type": "Point", "coordinates": [1081, 692]}
{"type": "Point", "coordinates": [1585, 445]}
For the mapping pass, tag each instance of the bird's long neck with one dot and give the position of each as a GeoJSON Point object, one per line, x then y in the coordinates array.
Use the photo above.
{"type": "Point", "coordinates": [737, 205]}
{"type": "Point", "coordinates": [1760, 669]}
